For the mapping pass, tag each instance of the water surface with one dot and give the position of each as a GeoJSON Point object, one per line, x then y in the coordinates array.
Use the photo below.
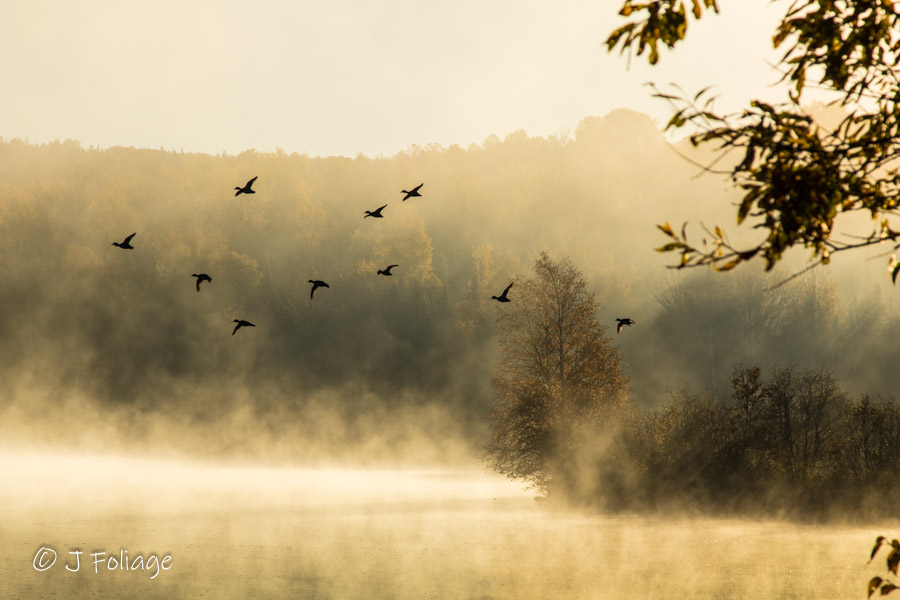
{"type": "Point", "coordinates": [239, 532]}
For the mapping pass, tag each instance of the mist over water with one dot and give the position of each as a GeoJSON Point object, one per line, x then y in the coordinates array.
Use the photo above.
{"type": "Point", "coordinates": [235, 532]}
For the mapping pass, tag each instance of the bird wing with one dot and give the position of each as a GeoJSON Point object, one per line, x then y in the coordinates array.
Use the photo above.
{"type": "Point", "coordinates": [128, 239]}
{"type": "Point", "coordinates": [249, 183]}
{"type": "Point", "coordinates": [619, 327]}
{"type": "Point", "coordinates": [312, 292]}
{"type": "Point", "coordinates": [389, 267]}
{"type": "Point", "coordinates": [198, 284]}
{"type": "Point", "coordinates": [379, 209]}
{"type": "Point", "coordinates": [236, 327]}
{"type": "Point", "coordinates": [416, 189]}
{"type": "Point", "coordinates": [506, 290]}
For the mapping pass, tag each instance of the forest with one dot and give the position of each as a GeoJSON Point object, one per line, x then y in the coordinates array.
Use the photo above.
{"type": "Point", "coordinates": [788, 443]}
{"type": "Point", "coordinates": [104, 346]}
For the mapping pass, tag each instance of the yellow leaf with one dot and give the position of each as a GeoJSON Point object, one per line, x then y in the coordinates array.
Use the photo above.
{"type": "Point", "coordinates": [696, 10]}
{"type": "Point", "coordinates": [878, 541]}
{"type": "Point", "coordinates": [729, 265]}
{"type": "Point", "coordinates": [667, 229]}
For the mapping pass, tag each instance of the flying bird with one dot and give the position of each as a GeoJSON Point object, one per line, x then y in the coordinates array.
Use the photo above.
{"type": "Point", "coordinates": [317, 283]}
{"type": "Point", "coordinates": [126, 243]}
{"type": "Point", "coordinates": [375, 213]}
{"type": "Point", "coordinates": [623, 323]}
{"type": "Point", "coordinates": [387, 270]}
{"type": "Point", "coordinates": [201, 277]}
{"type": "Point", "coordinates": [247, 189]}
{"type": "Point", "coordinates": [241, 323]}
{"type": "Point", "coordinates": [412, 193]}
{"type": "Point", "coordinates": [502, 297]}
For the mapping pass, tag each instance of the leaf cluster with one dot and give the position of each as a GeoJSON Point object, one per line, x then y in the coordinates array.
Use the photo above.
{"type": "Point", "coordinates": [892, 562]}
{"type": "Point", "coordinates": [665, 21]}
{"type": "Point", "coordinates": [797, 176]}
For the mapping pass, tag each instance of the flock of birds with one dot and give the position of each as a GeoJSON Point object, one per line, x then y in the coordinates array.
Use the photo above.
{"type": "Point", "coordinates": [247, 188]}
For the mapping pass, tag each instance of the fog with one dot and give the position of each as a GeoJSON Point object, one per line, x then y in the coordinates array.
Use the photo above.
{"type": "Point", "coordinates": [343, 432]}
{"type": "Point", "coordinates": [122, 344]}
{"type": "Point", "coordinates": [250, 531]}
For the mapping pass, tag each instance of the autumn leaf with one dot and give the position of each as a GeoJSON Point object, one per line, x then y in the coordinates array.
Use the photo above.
{"type": "Point", "coordinates": [670, 246]}
{"type": "Point", "coordinates": [875, 549]}
{"type": "Point", "coordinates": [873, 585]}
{"type": "Point", "coordinates": [667, 229]}
{"type": "Point", "coordinates": [729, 265]}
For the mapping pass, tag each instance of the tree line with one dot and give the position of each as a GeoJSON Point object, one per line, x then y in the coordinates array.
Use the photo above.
{"type": "Point", "coordinates": [788, 440]}
{"type": "Point", "coordinates": [128, 332]}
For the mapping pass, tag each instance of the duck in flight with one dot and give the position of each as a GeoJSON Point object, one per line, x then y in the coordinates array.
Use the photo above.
{"type": "Point", "coordinates": [387, 270]}
{"type": "Point", "coordinates": [502, 297]}
{"type": "Point", "coordinates": [375, 213]}
{"type": "Point", "coordinates": [623, 323]}
{"type": "Point", "coordinates": [247, 189]}
{"type": "Point", "coordinates": [241, 323]}
{"type": "Point", "coordinates": [317, 283]}
{"type": "Point", "coordinates": [201, 277]}
{"type": "Point", "coordinates": [412, 193]}
{"type": "Point", "coordinates": [126, 243]}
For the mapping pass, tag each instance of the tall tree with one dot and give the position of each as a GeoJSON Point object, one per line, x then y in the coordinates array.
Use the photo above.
{"type": "Point", "coordinates": [558, 377]}
{"type": "Point", "coordinates": [798, 176]}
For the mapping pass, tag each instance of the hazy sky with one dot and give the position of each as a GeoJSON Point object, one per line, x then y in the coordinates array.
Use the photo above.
{"type": "Point", "coordinates": [345, 76]}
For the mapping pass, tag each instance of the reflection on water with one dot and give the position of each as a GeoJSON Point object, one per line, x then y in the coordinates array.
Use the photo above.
{"type": "Point", "coordinates": [340, 533]}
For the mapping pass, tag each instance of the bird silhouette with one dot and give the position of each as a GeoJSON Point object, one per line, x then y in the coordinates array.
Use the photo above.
{"type": "Point", "coordinates": [247, 189]}
{"type": "Point", "coordinates": [623, 323]}
{"type": "Point", "coordinates": [502, 297]}
{"type": "Point", "coordinates": [317, 283]}
{"type": "Point", "coordinates": [126, 243]}
{"type": "Point", "coordinates": [375, 213]}
{"type": "Point", "coordinates": [412, 193]}
{"type": "Point", "coordinates": [201, 277]}
{"type": "Point", "coordinates": [386, 270]}
{"type": "Point", "coordinates": [241, 323]}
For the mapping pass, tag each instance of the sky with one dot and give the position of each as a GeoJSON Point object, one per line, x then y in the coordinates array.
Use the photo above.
{"type": "Point", "coordinates": [343, 77]}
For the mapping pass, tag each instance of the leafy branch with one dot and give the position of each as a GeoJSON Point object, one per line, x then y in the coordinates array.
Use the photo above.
{"type": "Point", "coordinates": [797, 177]}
